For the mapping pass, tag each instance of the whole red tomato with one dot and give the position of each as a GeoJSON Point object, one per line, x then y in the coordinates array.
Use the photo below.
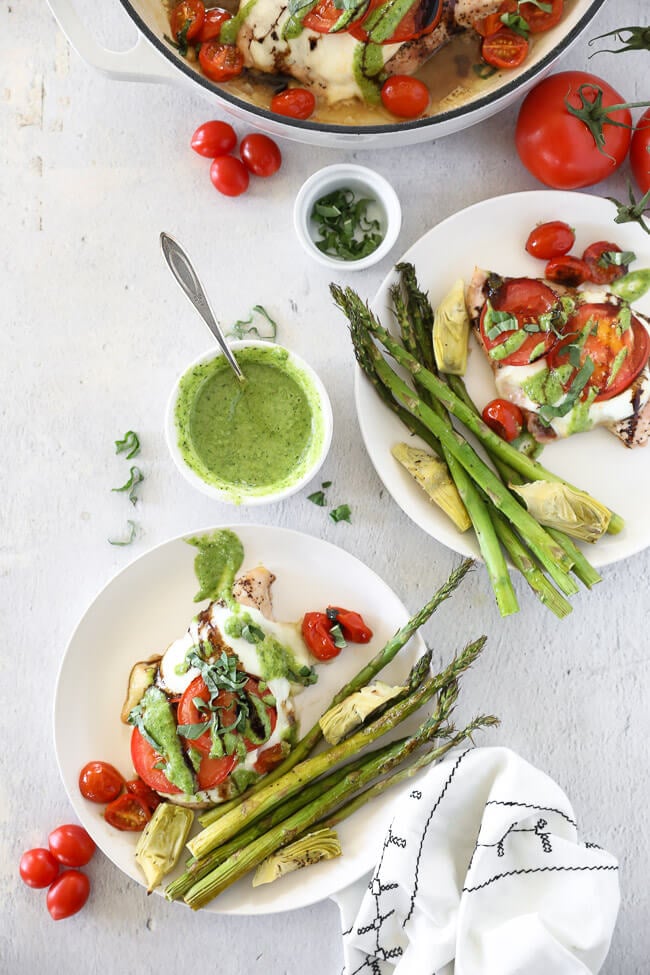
{"type": "Point", "coordinates": [71, 845]}
{"type": "Point", "coordinates": [68, 894]}
{"type": "Point", "coordinates": [640, 152]}
{"type": "Point", "coordinates": [561, 148]}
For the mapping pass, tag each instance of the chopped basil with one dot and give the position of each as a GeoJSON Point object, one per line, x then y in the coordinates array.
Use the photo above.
{"type": "Point", "coordinates": [252, 633]}
{"type": "Point", "coordinates": [130, 442]}
{"type": "Point", "coordinates": [244, 327]}
{"type": "Point", "coordinates": [616, 258]}
{"type": "Point", "coordinates": [496, 322]}
{"type": "Point", "coordinates": [136, 477]}
{"type": "Point", "coordinates": [344, 227]}
{"type": "Point", "coordinates": [337, 636]}
{"type": "Point", "coordinates": [342, 513]}
{"type": "Point", "coordinates": [484, 70]}
{"type": "Point", "coordinates": [125, 541]}
{"type": "Point", "coordinates": [516, 23]}
{"type": "Point", "coordinates": [318, 497]}
{"type": "Point", "coordinates": [192, 731]}
{"type": "Point", "coordinates": [547, 413]}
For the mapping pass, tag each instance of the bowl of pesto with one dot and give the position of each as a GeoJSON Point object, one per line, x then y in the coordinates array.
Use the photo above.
{"type": "Point", "coordinates": [253, 442]}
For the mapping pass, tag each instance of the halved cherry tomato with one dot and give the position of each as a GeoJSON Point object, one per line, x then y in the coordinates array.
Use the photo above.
{"type": "Point", "coordinates": [567, 270]}
{"type": "Point", "coordinates": [404, 96]}
{"type": "Point", "coordinates": [260, 154]}
{"type": "Point", "coordinates": [537, 18]}
{"type": "Point", "coordinates": [214, 139]}
{"type": "Point", "coordinates": [220, 62]}
{"type": "Point", "coordinates": [602, 271]}
{"type": "Point", "coordinates": [38, 868]}
{"type": "Point", "coordinates": [323, 17]}
{"type": "Point", "coordinates": [71, 845]}
{"type": "Point", "coordinates": [229, 175]}
{"type": "Point", "coordinates": [145, 758]}
{"type": "Point", "coordinates": [504, 49]}
{"type": "Point", "coordinates": [603, 348]}
{"type": "Point", "coordinates": [493, 23]}
{"type": "Point", "coordinates": [271, 757]}
{"type": "Point", "coordinates": [352, 624]}
{"type": "Point", "coordinates": [526, 299]}
{"type": "Point", "coordinates": [316, 634]}
{"type": "Point", "coordinates": [294, 103]}
{"type": "Point", "coordinates": [214, 20]}
{"type": "Point", "coordinates": [186, 20]}
{"type": "Point", "coordinates": [68, 894]}
{"type": "Point", "coordinates": [100, 782]}
{"type": "Point", "coordinates": [128, 812]}
{"type": "Point", "coordinates": [505, 418]}
{"type": "Point", "coordinates": [640, 152]}
{"type": "Point", "coordinates": [140, 789]}
{"type": "Point", "coordinates": [551, 239]}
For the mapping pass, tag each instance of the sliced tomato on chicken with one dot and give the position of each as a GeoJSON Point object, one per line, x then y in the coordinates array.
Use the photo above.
{"type": "Point", "coordinates": [226, 704]}
{"type": "Point", "coordinates": [422, 18]}
{"type": "Point", "coordinates": [618, 354]}
{"type": "Point", "coordinates": [213, 771]}
{"type": "Point", "coordinates": [145, 758]}
{"type": "Point", "coordinates": [524, 299]}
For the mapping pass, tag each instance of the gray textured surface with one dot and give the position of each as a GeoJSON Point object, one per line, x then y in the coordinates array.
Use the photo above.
{"type": "Point", "coordinates": [94, 332]}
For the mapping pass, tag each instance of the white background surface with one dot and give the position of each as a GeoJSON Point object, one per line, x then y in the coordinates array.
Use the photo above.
{"type": "Point", "coordinates": [94, 331]}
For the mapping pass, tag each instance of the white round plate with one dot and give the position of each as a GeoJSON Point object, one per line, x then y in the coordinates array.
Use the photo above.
{"type": "Point", "coordinates": [149, 604]}
{"type": "Point", "coordinates": [492, 235]}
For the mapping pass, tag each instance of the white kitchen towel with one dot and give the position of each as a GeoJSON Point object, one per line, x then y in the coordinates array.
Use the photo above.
{"type": "Point", "coordinates": [481, 873]}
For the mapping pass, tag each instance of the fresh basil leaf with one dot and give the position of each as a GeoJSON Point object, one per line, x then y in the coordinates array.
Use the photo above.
{"type": "Point", "coordinates": [342, 513]}
{"type": "Point", "coordinates": [516, 23]}
{"type": "Point", "coordinates": [484, 70]}
{"type": "Point", "coordinates": [136, 477]}
{"type": "Point", "coordinates": [130, 442]}
{"type": "Point", "coordinates": [547, 413]}
{"type": "Point", "coordinates": [252, 633]}
{"type": "Point", "coordinates": [326, 484]}
{"type": "Point", "coordinates": [318, 497]}
{"type": "Point", "coordinates": [337, 636]}
{"type": "Point", "coordinates": [244, 327]}
{"type": "Point", "coordinates": [616, 258]}
{"type": "Point", "coordinates": [125, 541]}
{"type": "Point", "coordinates": [496, 322]}
{"type": "Point", "coordinates": [192, 731]}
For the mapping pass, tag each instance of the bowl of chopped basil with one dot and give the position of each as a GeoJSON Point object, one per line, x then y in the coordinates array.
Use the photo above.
{"type": "Point", "coordinates": [347, 217]}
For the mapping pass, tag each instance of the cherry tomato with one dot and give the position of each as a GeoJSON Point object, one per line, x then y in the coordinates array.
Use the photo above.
{"type": "Point", "coordinates": [100, 782]}
{"type": "Point", "coordinates": [537, 18]}
{"type": "Point", "coordinates": [229, 175]}
{"type": "Point", "coordinates": [556, 146]}
{"type": "Point", "coordinates": [567, 270]}
{"type": "Point", "coordinates": [640, 152]}
{"type": "Point", "coordinates": [526, 299]}
{"type": "Point", "coordinates": [71, 845]}
{"type": "Point", "coordinates": [505, 418]}
{"type": "Point", "coordinates": [551, 239]}
{"type": "Point", "coordinates": [260, 154]}
{"type": "Point", "coordinates": [352, 624]}
{"type": "Point", "coordinates": [214, 20]}
{"type": "Point", "coordinates": [140, 789]}
{"type": "Point", "coordinates": [504, 49]}
{"type": "Point", "coordinates": [601, 271]}
{"type": "Point", "coordinates": [271, 757]}
{"type": "Point", "coordinates": [214, 139]}
{"type": "Point", "coordinates": [294, 103]}
{"type": "Point", "coordinates": [604, 348]}
{"type": "Point", "coordinates": [220, 62]}
{"type": "Point", "coordinates": [68, 894]}
{"type": "Point", "coordinates": [316, 634]}
{"type": "Point", "coordinates": [38, 868]}
{"type": "Point", "coordinates": [186, 20]}
{"type": "Point", "coordinates": [404, 96]}
{"type": "Point", "coordinates": [128, 813]}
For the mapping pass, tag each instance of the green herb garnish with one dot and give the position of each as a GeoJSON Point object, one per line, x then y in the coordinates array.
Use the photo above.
{"type": "Point", "coordinates": [244, 326]}
{"type": "Point", "coordinates": [616, 258]}
{"type": "Point", "coordinates": [318, 497]}
{"type": "Point", "coordinates": [125, 541]}
{"type": "Point", "coordinates": [344, 227]}
{"type": "Point", "coordinates": [484, 70]}
{"type": "Point", "coordinates": [130, 442]}
{"type": "Point", "coordinates": [252, 633]}
{"type": "Point", "coordinates": [496, 322]}
{"type": "Point", "coordinates": [337, 636]}
{"type": "Point", "coordinates": [342, 513]}
{"type": "Point", "coordinates": [136, 477]}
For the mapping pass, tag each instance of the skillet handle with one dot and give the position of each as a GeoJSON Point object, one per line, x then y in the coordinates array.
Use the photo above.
{"type": "Point", "coordinates": [139, 63]}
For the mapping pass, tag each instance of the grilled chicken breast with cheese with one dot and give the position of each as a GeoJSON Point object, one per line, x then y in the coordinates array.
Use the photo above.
{"type": "Point", "coordinates": [626, 415]}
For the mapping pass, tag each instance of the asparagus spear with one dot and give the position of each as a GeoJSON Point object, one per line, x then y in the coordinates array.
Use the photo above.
{"type": "Point", "coordinates": [250, 856]}
{"type": "Point", "coordinates": [297, 778]}
{"type": "Point", "coordinates": [363, 677]}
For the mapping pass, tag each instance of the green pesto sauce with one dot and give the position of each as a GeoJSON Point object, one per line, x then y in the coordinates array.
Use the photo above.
{"type": "Point", "coordinates": [230, 30]}
{"type": "Point", "coordinates": [546, 386]}
{"type": "Point", "coordinates": [254, 438]}
{"type": "Point", "coordinates": [243, 778]}
{"type": "Point", "coordinates": [159, 721]}
{"type": "Point", "coordinates": [219, 559]}
{"type": "Point", "coordinates": [579, 419]}
{"type": "Point", "coordinates": [368, 68]}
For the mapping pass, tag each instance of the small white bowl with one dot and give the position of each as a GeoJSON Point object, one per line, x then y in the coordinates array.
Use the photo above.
{"type": "Point", "coordinates": [363, 182]}
{"type": "Point", "coordinates": [322, 412]}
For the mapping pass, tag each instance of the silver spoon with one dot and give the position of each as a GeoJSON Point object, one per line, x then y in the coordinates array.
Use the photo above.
{"type": "Point", "coordinates": [181, 267]}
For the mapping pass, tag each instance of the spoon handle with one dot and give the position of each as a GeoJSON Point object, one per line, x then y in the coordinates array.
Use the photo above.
{"type": "Point", "coordinates": [182, 269]}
